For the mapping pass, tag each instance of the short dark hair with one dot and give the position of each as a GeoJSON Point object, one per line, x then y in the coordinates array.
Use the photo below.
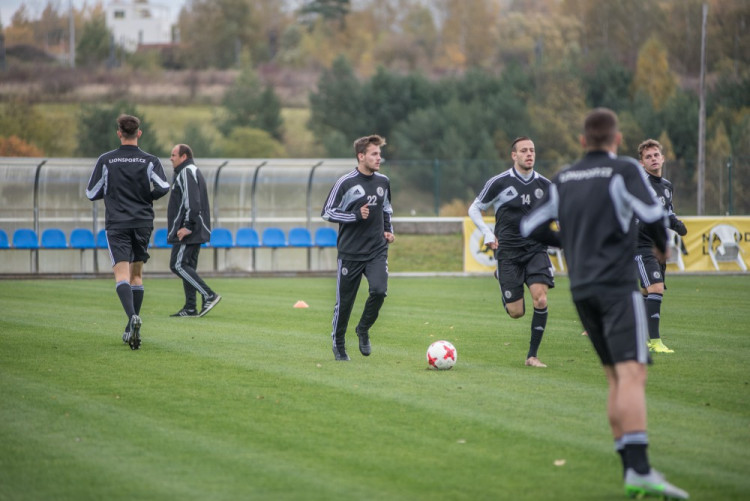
{"type": "Point", "coordinates": [184, 149]}
{"type": "Point", "coordinates": [128, 125]}
{"type": "Point", "coordinates": [649, 143]}
{"type": "Point", "coordinates": [518, 140]}
{"type": "Point", "coordinates": [600, 128]}
{"type": "Point", "coordinates": [361, 144]}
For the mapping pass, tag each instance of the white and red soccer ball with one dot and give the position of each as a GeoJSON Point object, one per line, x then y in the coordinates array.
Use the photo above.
{"type": "Point", "coordinates": [441, 355]}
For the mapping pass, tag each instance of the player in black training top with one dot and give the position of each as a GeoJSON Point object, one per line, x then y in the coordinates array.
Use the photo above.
{"type": "Point", "coordinates": [128, 180]}
{"type": "Point", "coordinates": [595, 201]}
{"type": "Point", "coordinates": [361, 203]}
{"type": "Point", "coordinates": [650, 270]}
{"type": "Point", "coordinates": [520, 260]}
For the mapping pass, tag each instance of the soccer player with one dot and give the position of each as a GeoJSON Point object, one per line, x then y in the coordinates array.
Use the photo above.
{"type": "Point", "coordinates": [361, 203]}
{"type": "Point", "coordinates": [189, 225]}
{"type": "Point", "coordinates": [128, 180]}
{"type": "Point", "coordinates": [594, 202]}
{"type": "Point", "coordinates": [650, 270]}
{"type": "Point", "coordinates": [511, 195]}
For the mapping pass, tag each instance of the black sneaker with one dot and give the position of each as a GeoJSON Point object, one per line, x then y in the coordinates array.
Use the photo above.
{"type": "Point", "coordinates": [209, 303]}
{"type": "Point", "coordinates": [340, 353]}
{"type": "Point", "coordinates": [364, 342]}
{"type": "Point", "coordinates": [134, 340]}
{"type": "Point", "coordinates": [185, 313]}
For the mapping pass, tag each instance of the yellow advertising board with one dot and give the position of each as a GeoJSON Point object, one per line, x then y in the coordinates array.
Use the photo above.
{"type": "Point", "coordinates": [477, 256]}
{"type": "Point", "coordinates": [711, 244]}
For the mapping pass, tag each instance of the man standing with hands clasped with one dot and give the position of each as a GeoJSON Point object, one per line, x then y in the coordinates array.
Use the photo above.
{"type": "Point", "coordinates": [650, 270]}
{"type": "Point", "coordinates": [361, 203]}
{"type": "Point", "coordinates": [189, 226]}
{"type": "Point", "coordinates": [595, 201]}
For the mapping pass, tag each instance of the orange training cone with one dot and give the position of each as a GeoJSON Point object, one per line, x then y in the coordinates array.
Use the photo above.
{"type": "Point", "coordinates": [301, 304]}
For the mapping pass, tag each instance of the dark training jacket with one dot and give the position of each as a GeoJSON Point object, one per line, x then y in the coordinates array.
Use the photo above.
{"type": "Point", "coordinates": [128, 180]}
{"type": "Point", "coordinates": [188, 205]}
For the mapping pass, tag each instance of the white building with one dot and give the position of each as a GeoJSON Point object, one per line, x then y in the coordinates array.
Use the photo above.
{"type": "Point", "coordinates": [138, 22]}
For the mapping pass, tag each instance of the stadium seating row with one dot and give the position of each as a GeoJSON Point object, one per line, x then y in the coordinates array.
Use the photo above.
{"type": "Point", "coordinates": [83, 238]}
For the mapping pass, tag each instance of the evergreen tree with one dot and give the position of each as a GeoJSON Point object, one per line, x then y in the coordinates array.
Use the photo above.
{"type": "Point", "coordinates": [94, 46]}
{"type": "Point", "coordinates": [97, 130]}
{"type": "Point", "coordinates": [337, 105]}
{"type": "Point", "coordinates": [247, 103]}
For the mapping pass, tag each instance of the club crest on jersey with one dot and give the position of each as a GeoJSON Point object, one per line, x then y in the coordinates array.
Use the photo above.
{"type": "Point", "coordinates": [538, 193]}
{"type": "Point", "coordinates": [666, 193]}
{"type": "Point", "coordinates": [380, 191]}
{"type": "Point", "coordinates": [657, 274]}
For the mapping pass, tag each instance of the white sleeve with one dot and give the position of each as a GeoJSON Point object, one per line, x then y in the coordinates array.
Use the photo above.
{"type": "Point", "coordinates": [475, 213]}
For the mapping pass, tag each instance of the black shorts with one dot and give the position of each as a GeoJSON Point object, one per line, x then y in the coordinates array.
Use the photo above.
{"type": "Point", "coordinates": [650, 270]}
{"type": "Point", "coordinates": [534, 268]}
{"type": "Point", "coordinates": [128, 244]}
{"type": "Point", "coordinates": [617, 326]}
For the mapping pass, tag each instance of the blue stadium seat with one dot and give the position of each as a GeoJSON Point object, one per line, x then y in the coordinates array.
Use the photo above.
{"type": "Point", "coordinates": [4, 240]}
{"type": "Point", "coordinates": [300, 237]}
{"type": "Point", "coordinates": [25, 238]}
{"type": "Point", "coordinates": [274, 237]}
{"type": "Point", "coordinates": [101, 239]}
{"type": "Point", "coordinates": [54, 238]}
{"type": "Point", "coordinates": [160, 239]}
{"type": "Point", "coordinates": [247, 237]}
{"type": "Point", "coordinates": [325, 236]}
{"type": "Point", "coordinates": [221, 238]}
{"type": "Point", "coordinates": [82, 238]}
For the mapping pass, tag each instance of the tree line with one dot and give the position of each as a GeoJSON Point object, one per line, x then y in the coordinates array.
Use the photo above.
{"type": "Point", "coordinates": [457, 81]}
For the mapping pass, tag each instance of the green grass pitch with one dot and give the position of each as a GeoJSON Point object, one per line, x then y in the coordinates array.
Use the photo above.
{"type": "Point", "coordinates": [248, 403]}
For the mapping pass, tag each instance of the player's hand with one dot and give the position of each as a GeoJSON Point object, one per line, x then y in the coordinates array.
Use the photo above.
{"type": "Point", "coordinates": [389, 237]}
{"type": "Point", "coordinates": [183, 232]}
{"type": "Point", "coordinates": [492, 243]}
{"type": "Point", "coordinates": [365, 211]}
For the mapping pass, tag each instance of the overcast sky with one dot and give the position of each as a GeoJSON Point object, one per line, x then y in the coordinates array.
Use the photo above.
{"type": "Point", "coordinates": [35, 7]}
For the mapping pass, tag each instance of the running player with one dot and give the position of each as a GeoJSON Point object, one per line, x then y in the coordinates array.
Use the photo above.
{"type": "Point", "coordinates": [511, 195]}
{"type": "Point", "coordinates": [361, 203]}
{"type": "Point", "coordinates": [128, 180]}
{"type": "Point", "coordinates": [594, 201]}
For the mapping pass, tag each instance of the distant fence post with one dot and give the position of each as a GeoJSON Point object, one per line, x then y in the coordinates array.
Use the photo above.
{"type": "Point", "coordinates": [730, 209]}
{"type": "Point", "coordinates": [436, 185]}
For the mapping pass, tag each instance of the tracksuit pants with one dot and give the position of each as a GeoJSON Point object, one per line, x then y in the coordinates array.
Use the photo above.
{"type": "Point", "coordinates": [183, 262]}
{"type": "Point", "coordinates": [348, 278]}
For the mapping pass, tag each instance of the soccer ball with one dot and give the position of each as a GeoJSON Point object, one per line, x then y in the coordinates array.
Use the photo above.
{"type": "Point", "coordinates": [441, 355]}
